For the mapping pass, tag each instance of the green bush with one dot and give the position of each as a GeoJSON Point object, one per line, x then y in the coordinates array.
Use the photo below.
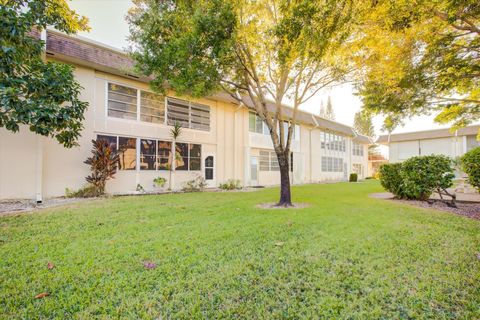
{"type": "Point", "coordinates": [353, 177]}
{"type": "Point", "coordinates": [390, 178]}
{"type": "Point", "coordinates": [195, 185]}
{"type": "Point", "coordinates": [231, 184]}
{"type": "Point", "coordinates": [87, 191]}
{"type": "Point", "coordinates": [424, 175]}
{"type": "Point", "coordinates": [159, 181]}
{"type": "Point", "coordinates": [471, 166]}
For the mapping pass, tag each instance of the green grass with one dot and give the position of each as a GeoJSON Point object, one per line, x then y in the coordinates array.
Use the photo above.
{"type": "Point", "coordinates": [218, 256]}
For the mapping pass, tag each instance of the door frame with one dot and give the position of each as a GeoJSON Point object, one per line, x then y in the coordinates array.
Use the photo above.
{"type": "Point", "coordinates": [253, 182]}
{"type": "Point", "coordinates": [213, 182]}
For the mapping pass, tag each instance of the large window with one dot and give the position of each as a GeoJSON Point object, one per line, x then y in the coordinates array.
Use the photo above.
{"type": "Point", "coordinates": [257, 125]}
{"type": "Point", "coordinates": [152, 107]}
{"type": "Point", "coordinates": [122, 102]}
{"type": "Point", "coordinates": [332, 164]}
{"type": "Point", "coordinates": [188, 156]}
{"type": "Point", "coordinates": [155, 155]}
{"type": "Point", "coordinates": [148, 154]}
{"type": "Point", "coordinates": [358, 169]}
{"type": "Point", "coordinates": [269, 161]}
{"type": "Point", "coordinates": [127, 148]}
{"type": "Point", "coordinates": [188, 114]}
{"type": "Point", "coordinates": [357, 149]}
{"type": "Point", "coordinates": [333, 142]}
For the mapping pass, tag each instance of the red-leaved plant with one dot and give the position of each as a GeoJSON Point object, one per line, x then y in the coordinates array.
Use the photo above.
{"type": "Point", "coordinates": [103, 165]}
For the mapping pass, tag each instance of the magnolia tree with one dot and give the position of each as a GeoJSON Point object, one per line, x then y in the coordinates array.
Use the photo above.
{"type": "Point", "coordinates": [260, 52]}
{"type": "Point", "coordinates": [42, 95]}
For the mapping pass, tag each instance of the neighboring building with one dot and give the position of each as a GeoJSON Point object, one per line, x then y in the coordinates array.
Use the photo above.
{"type": "Point", "coordinates": [221, 140]}
{"type": "Point", "coordinates": [375, 160]}
{"type": "Point", "coordinates": [441, 141]}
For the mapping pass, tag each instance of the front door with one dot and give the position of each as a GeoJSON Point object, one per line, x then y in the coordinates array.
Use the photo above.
{"type": "Point", "coordinates": [209, 168]}
{"type": "Point", "coordinates": [345, 172]}
{"type": "Point", "coordinates": [253, 171]}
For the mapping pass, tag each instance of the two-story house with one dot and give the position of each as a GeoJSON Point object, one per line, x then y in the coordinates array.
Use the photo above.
{"type": "Point", "coordinates": [220, 139]}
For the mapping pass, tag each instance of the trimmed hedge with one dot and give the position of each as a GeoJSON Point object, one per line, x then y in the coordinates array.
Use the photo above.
{"type": "Point", "coordinates": [470, 162]}
{"type": "Point", "coordinates": [353, 177]}
{"type": "Point", "coordinates": [424, 175]}
{"type": "Point", "coordinates": [391, 180]}
{"type": "Point", "coordinates": [418, 177]}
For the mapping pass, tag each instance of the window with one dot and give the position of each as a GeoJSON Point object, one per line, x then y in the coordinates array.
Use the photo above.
{"type": "Point", "coordinates": [332, 142]}
{"type": "Point", "coordinates": [112, 140]}
{"type": "Point", "coordinates": [164, 155]}
{"type": "Point", "coordinates": [358, 169]}
{"type": "Point", "coordinates": [264, 161]}
{"type": "Point", "coordinates": [274, 166]}
{"type": "Point", "coordinates": [122, 102]}
{"type": "Point", "coordinates": [148, 154]}
{"type": "Point", "coordinates": [332, 164]}
{"type": "Point", "coordinates": [195, 155]}
{"type": "Point", "coordinates": [257, 125]}
{"type": "Point", "coordinates": [152, 107]}
{"type": "Point", "coordinates": [187, 114]}
{"type": "Point", "coordinates": [357, 149]}
{"type": "Point", "coordinates": [127, 152]}
{"type": "Point", "coordinates": [269, 161]}
{"type": "Point", "coordinates": [188, 156]}
{"type": "Point", "coordinates": [209, 168]}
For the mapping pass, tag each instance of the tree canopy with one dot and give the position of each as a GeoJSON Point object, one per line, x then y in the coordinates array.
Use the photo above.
{"type": "Point", "coordinates": [256, 51]}
{"type": "Point", "coordinates": [362, 123]}
{"type": "Point", "coordinates": [420, 57]}
{"type": "Point", "coordinates": [42, 95]}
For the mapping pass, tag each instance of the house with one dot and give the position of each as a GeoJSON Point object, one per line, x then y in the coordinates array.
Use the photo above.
{"type": "Point", "coordinates": [375, 161]}
{"type": "Point", "coordinates": [440, 141]}
{"type": "Point", "coordinates": [221, 140]}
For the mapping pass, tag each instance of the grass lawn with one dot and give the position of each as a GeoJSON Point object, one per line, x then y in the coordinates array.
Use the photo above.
{"type": "Point", "coordinates": [217, 256]}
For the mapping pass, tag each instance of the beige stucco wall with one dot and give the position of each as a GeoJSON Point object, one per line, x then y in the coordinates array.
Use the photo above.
{"type": "Point", "coordinates": [228, 140]}
{"type": "Point", "coordinates": [452, 147]}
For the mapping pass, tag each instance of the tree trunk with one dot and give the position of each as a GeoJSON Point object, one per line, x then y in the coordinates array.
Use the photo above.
{"type": "Point", "coordinates": [285, 195]}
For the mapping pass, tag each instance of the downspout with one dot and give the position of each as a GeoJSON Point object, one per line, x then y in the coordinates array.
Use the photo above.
{"type": "Point", "coordinates": [234, 135]}
{"type": "Point", "coordinates": [311, 153]}
{"type": "Point", "coordinates": [39, 151]}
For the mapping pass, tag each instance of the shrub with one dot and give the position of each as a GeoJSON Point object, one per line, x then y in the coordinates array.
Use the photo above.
{"type": "Point", "coordinates": [231, 184]}
{"type": "Point", "coordinates": [195, 185]}
{"type": "Point", "coordinates": [88, 191]}
{"type": "Point", "coordinates": [159, 181]}
{"type": "Point", "coordinates": [103, 165]}
{"type": "Point", "coordinates": [353, 177]}
{"type": "Point", "coordinates": [390, 178]}
{"type": "Point", "coordinates": [424, 175]}
{"type": "Point", "coordinates": [470, 163]}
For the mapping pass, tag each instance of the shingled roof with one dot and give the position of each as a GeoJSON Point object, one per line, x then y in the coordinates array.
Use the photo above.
{"type": "Point", "coordinates": [428, 134]}
{"type": "Point", "coordinates": [92, 54]}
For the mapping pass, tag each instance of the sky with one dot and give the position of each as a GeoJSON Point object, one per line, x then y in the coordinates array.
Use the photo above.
{"type": "Point", "coordinates": [108, 26]}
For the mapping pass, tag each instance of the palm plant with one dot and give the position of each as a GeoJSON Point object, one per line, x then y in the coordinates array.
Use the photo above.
{"type": "Point", "coordinates": [175, 132]}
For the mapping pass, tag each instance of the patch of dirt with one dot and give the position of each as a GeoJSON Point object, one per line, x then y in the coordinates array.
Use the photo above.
{"type": "Point", "coordinates": [272, 205]}
{"type": "Point", "coordinates": [10, 207]}
{"type": "Point", "coordinates": [466, 209]}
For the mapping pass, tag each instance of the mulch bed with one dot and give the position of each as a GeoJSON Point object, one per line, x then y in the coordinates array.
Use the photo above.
{"type": "Point", "coordinates": [466, 209]}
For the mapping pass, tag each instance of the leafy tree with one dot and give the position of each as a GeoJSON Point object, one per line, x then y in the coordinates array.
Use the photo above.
{"type": "Point", "coordinates": [103, 165]}
{"type": "Point", "coordinates": [420, 57]}
{"type": "Point", "coordinates": [322, 111]}
{"type": "Point", "coordinates": [256, 51]}
{"type": "Point", "coordinates": [42, 95]}
{"type": "Point", "coordinates": [362, 123]}
{"type": "Point", "coordinates": [329, 113]}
